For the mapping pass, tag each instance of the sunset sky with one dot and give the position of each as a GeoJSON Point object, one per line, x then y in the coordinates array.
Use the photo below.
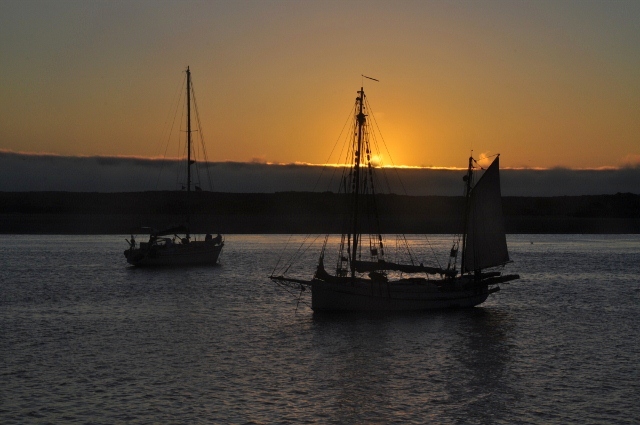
{"type": "Point", "coordinates": [544, 83]}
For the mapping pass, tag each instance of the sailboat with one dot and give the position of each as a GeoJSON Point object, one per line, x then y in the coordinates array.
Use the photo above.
{"type": "Point", "coordinates": [363, 278]}
{"type": "Point", "coordinates": [176, 246]}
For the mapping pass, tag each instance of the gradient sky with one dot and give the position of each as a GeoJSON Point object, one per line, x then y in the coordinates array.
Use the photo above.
{"type": "Point", "coordinates": [544, 83]}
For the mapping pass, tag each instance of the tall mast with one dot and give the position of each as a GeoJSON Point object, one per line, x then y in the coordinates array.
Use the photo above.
{"type": "Point", "coordinates": [356, 176]}
{"type": "Point", "coordinates": [468, 181]}
{"type": "Point", "coordinates": [188, 151]}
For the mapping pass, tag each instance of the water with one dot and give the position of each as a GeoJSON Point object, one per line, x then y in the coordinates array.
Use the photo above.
{"type": "Point", "coordinates": [86, 339]}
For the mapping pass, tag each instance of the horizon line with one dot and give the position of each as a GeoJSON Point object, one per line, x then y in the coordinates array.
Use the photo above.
{"type": "Point", "coordinates": [9, 152]}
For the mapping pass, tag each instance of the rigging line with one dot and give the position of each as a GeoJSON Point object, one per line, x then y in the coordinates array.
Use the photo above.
{"type": "Point", "coordinates": [486, 157]}
{"type": "Point", "coordinates": [300, 249]}
{"type": "Point", "coordinates": [382, 169]}
{"type": "Point", "coordinates": [491, 156]}
{"type": "Point", "coordinates": [299, 297]}
{"type": "Point", "coordinates": [198, 128]}
{"type": "Point", "coordinates": [281, 254]}
{"type": "Point", "coordinates": [347, 151]}
{"type": "Point", "coordinates": [201, 136]}
{"type": "Point", "coordinates": [385, 176]}
{"type": "Point", "coordinates": [346, 144]}
{"type": "Point", "coordinates": [461, 217]}
{"type": "Point", "coordinates": [288, 290]}
{"type": "Point", "coordinates": [335, 170]}
{"type": "Point", "coordinates": [396, 258]}
{"type": "Point", "coordinates": [182, 150]}
{"type": "Point", "coordinates": [374, 207]}
{"type": "Point", "coordinates": [183, 146]}
{"type": "Point", "coordinates": [196, 155]}
{"type": "Point", "coordinates": [387, 148]}
{"type": "Point", "coordinates": [433, 251]}
{"type": "Point", "coordinates": [179, 95]}
{"type": "Point", "coordinates": [175, 101]}
{"type": "Point", "coordinates": [180, 172]}
{"type": "Point", "coordinates": [377, 176]}
{"type": "Point", "coordinates": [331, 153]}
{"type": "Point", "coordinates": [406, 244]}
{"type": "Point", "coordinates": [301, 253]}
{"type": "Point", "coordinates": [294, 257]}
{"type": "Point", "coordinates": [168, 123]}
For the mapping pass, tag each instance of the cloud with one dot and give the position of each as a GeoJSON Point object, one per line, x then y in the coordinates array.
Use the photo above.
{"type": "Point", "coordinates": [50, 172]}
{"type": "Point", "coordinates": [631, 160]}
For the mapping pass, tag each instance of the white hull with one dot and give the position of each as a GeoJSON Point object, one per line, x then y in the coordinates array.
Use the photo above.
{"type": "Point", "coordinates": [191, 254]}
{"type": "Point", "coordinates": [382, 296]}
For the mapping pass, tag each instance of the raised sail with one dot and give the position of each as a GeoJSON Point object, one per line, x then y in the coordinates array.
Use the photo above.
{"type": "Point", "coordinates": [486, 244]}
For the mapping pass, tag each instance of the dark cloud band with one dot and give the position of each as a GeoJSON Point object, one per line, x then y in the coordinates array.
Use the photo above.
{"type": "Point", "coordinates": [46, 172]}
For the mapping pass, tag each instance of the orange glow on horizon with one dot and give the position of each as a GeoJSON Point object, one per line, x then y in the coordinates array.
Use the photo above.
{"type": "Point", "coordinates": [547, 85]}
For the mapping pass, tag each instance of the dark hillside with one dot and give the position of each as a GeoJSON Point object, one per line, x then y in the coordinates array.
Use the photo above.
{"type": "Point", "coordinates": [301, 212]}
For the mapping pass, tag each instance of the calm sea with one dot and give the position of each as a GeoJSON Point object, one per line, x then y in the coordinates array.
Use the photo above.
{"type": "Point", "coordinates": [86, 339]}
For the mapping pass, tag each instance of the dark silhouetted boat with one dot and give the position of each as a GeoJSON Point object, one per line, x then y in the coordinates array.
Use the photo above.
{"type": "Point", "coordinates": [365, 280]}
{"type": "Point", "coordinates": [175, 246]}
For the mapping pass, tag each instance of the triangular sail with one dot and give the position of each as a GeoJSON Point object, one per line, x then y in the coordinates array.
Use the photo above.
{"type": "Point", "coordinates": [486, 244]}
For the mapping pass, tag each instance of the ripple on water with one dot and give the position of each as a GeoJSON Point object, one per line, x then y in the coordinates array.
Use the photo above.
{"type": "Point", "coordinates": [86, 339]}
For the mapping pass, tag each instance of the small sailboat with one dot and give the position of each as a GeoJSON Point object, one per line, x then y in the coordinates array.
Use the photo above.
{"type": "Point", "coordinates": [176, 246]}
{"type": "Point", "coordinates": [365, 280]}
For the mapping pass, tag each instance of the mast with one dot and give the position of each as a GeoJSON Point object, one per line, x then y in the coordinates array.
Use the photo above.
{"type": "Point", "coordinates": [356, 175]}
{"type": "Point", "coordinates": [188, 151]}
{"type": "Point", "coordinates": [468, 180]}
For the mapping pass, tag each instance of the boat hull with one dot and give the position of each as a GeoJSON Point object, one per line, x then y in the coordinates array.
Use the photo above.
{"type": "Point", "coordinates": [384, 296]}
{"type": "Point", "coordinates": [198, 253]}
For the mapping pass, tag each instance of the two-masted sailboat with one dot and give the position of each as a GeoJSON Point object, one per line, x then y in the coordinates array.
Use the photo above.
{"type": "Point", "coordinates": [363, 278]}
{"type": "Point", "coordinates": [176, 246]}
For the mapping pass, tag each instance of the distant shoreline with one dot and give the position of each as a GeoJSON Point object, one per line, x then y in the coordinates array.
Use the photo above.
{"type": "Point", "coordinates": [301, 212]}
